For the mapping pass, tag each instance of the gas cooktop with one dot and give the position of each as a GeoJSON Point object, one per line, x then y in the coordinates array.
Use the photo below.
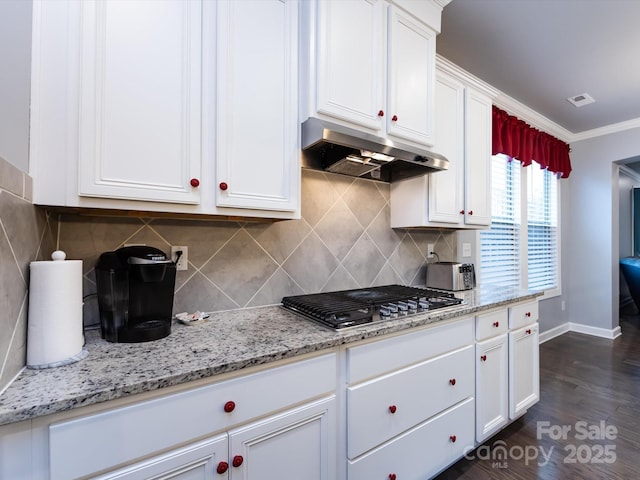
{"type": "Point", "coordinates": [365, 306]}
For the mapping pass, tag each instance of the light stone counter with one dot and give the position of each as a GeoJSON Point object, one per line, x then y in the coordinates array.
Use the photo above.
{"type": "Point", "coordinates": [226, 342]}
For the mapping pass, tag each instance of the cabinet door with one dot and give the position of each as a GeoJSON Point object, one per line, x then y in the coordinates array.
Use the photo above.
{"type": "Point", "coordinates": [257, 147]}
{"type": "Point", "coordinates": [351, 61]}
{"type": "Point", "coordinates": [194, 462]}
{"type": "Point", "coordinates": [140, 100]}
{"type": "Point", "coordinates": [411, 76]}
{"type": "Point", "coordinates": [295, 445]}
{"type": "Point", "coordinates": [492, 394]}
{"type": "Point", "coordinates": [446, 189]}
{"type": "Point", "coordinates": [478, 158]}
{"type": "Point", "coordinates": [524, 376]}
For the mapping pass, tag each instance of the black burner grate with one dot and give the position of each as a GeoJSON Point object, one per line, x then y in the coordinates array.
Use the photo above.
{"type": "Point", "coordinates": [360, 306]}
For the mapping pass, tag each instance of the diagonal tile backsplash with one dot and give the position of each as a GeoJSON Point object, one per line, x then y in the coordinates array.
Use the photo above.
{"type": "Point", "coordinates": [26, 235]}
{"type": "Point", "coordinates": [343, 240]}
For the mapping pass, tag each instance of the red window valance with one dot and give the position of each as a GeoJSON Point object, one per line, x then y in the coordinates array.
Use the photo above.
{"type": "Point", "coordinates": [517, 139]}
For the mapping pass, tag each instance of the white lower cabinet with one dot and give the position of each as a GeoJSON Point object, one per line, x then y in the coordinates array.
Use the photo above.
{"type": "Point", "coordinates": [422, 451]}
{"type": "Point", "coordinates": [492, 392]}
{"type": "Point", "coordinates": [402, 406]}
{"type": "Point", "coordinates": [194, 462]}
{"type": "Point", "coordinates": [524, 358]}
{"type": "Point", "coordinates": [507, 366]}
{"type": "Point", "coordinates": [410, 402]}
{"type": "Point", "coordinates": [290, 446]}
{"type": "Point", "coordinates": [524, 377]}
{"type": "Point", "coordinates": [275, 424]}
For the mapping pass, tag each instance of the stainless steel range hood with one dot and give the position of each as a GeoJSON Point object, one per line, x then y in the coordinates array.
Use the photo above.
{"type": "Point", "coordinates": [338, 149]}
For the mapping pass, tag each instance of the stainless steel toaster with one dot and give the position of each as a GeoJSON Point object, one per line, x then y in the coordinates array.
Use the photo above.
{"type": "Point", "coordinates": [451, 276]}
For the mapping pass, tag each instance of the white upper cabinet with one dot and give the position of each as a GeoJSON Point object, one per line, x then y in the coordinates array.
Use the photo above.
{"type": "Point", "coordinates": [477, 164]}
{"type": "Point", "coordinates": [257, 146]}
{"type": "Point", "coordinates": [350, 82]}
{"type": "Point", "coordinates": [411, 66]}
{"type": "Point", "coordinates": [140, 100]}
{"type": "Point", "coordinates": [376, 73]}
{"type": "Point", "coordinates": [459, 197]}
{"type": "Point", "coordinates": [167, 106]}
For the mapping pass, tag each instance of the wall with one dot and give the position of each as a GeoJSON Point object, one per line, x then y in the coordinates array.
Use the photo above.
{"type": "Point", "coordinates": [22, 226]}
{"type": "Point", "coordinates": [26, 234]}
{"type": "Point", "coordinates": [342, 241]}
{"type": "Point", "coordinates": [592, 243]}
{"type": "Point", "coordinates": [15, 81]}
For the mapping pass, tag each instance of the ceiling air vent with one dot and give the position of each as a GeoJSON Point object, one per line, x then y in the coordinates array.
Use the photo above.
{"type": "Point", "coordinates": [581, 100]}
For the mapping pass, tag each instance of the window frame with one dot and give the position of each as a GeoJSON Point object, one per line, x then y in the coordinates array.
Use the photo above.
{"type": "Point", "coordinates": [524, 234]}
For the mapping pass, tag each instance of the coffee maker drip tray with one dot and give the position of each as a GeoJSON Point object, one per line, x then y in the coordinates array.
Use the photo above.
{"type": "Point", "coordinates": [144, 331]}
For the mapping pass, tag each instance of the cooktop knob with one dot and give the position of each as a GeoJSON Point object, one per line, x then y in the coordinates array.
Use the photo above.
{"type": "Point", "coordinates": [403, 307]}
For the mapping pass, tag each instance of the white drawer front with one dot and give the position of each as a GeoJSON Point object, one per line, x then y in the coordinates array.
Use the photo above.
{"type": "Point", "coordinates": [377, 358]}
{"type": "Point", "coordinates": [492, 324]}
{"type": "Point", "coordinates": [124, 434]}
{"type": "Point", "coordinates": [381, 409]}
{"type": "Point", "coordinates": [523, 314]}
{"type": "Point", "coordinates": [423, 451]}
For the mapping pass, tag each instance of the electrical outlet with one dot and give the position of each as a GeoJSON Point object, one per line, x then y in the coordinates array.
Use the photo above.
{"type": "Point", "coordinates": [183, 261]}
{"type": "Point", "coordinates": [466, 249]}
{"type": "Point", "coordinates": [430, 249]}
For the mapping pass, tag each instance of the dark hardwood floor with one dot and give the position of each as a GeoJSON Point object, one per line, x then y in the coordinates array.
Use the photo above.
{"type": "Point", "coordinates": [589, 385]}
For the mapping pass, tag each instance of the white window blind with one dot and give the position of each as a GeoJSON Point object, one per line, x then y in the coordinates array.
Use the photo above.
{"type": "Point", "coordinates": [542, 229]}
{"type": "Point", "coordinates": [521, 248]}
{"type": "Point", "coordinates": [500, 246]}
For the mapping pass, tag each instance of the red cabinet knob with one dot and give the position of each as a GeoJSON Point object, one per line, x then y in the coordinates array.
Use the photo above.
{"type": "Point", "coordinates": [392, 408]}
{"type": "Point", "coordinates": [453, 438]}
{"type": "Point", "coordinates": [229, 406]}
{"type": "Point", "coordinates": [528, 314]}
{"type": "Point", "coordinates": [394, 118]}
{"type": "Point", "coordinates": [483, 358]}
{"type": "Point", "coordinates": [392, 476]}
{"type": "Point", "coordinates": [381, 113]}
{"type": "Point", "coordinates": [223, 186]}
{"type": "Point", "coordinates": [528, 331]}
{"type": "Point", "coordinates": [222, 467]}
{"type": "Point", "coordinates": [452, 382]}
{"type": "Point", "coordinates": [237, 461]}
{"type": "Point", "coordinates": [470, 212]}
{"type": "Point", "coordinates": [461, 212]}
{"type": "Point", "coordinates": [195, 182]}
{"type": "Point", "coordinates": [496, 324]}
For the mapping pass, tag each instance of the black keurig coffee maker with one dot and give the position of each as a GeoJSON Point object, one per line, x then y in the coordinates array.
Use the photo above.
{"type": "Point", "coordinates": [135, 294]}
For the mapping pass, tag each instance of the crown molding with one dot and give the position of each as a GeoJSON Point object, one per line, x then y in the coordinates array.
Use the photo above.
{"type": "Point", "coordinates": [451, 68]}
{"type": "Point", "coordinates": [533, 118]}
{"type": "Point", "coordinates": [607, 130]}
{"type": "Point", "coordinates": [522, 111]}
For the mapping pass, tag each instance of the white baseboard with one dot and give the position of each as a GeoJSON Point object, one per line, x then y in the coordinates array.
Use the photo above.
{"type": "Point", "coordinates": [596, 331]}
{"type": "Point", "coordinates": [554, 332]}
{"type": "Point", "coordinates": [579, 328]}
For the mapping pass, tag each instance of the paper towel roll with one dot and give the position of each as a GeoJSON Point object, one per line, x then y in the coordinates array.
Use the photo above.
{"type": "Point", "coordinates": [54, 333]}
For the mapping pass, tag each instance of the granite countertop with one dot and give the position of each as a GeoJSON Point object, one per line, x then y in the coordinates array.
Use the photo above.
{"type": "Point", "coordinates": [226, 342]}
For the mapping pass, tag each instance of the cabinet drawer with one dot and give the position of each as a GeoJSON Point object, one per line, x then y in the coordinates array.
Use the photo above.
{"type": "Point", "coordinates": [491, 324]}
{"type": "Point", "coordinates": [523, 314]}
{"type": "Point", "coordinates": [377, 358]}
{"type": "Point", "coordinates": [423, 451]}
{"type": "Point", "coordinates": [124, 434]}
{"type": "Point", "coordinates": [382, 408]}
